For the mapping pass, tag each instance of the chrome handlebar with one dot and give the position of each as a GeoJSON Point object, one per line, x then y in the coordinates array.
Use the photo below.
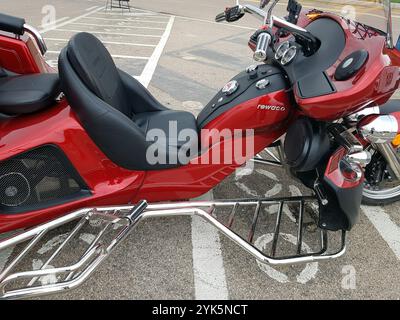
{"type": "Point", "coordinates": [291, 27]}
{"type": "Point", "coordinates": [257, 12]}
{"type": "Point", "coordinates": [269, 18]}
{"type": "Point", "coordinates": [309, 42]}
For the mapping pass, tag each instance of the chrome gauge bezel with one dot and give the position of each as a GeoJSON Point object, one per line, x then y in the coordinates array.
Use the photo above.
{"type": "Point", "coordinates": [280, 51]}
{"type": "Point", "coordinates": [288, 57]}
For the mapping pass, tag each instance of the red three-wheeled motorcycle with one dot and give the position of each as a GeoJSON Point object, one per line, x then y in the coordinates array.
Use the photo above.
{"type": "Point", "coordinates": [87, 146]}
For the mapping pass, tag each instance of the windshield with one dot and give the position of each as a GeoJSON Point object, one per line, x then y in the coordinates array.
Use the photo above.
{"type": "Point", "coordinates": [374, 13]}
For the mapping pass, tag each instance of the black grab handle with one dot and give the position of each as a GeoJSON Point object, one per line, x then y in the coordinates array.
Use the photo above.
{"type": "Point", "coordinates": [12, 24]}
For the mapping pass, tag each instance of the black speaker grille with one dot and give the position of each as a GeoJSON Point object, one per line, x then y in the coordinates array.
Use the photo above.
{"type": "Point", "coordinates": [37, 179]}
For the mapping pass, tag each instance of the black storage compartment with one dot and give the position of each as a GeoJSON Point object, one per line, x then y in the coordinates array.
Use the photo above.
{"type": "Point", "coordinates": [315, 85]}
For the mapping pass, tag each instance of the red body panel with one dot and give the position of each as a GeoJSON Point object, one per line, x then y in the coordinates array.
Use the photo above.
{"type": "Point", "coordinates": [334, 174]}
{"type": "Point", "coordinates": [376, 81]}
{"type": "Point", "coordinates": [109, 183]}
{"type": "Point", "coordinates": [16, 56]}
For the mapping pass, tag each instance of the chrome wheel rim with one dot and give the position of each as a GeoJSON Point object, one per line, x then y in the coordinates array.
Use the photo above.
{"type": "Point", "coordinates": [382, 193]}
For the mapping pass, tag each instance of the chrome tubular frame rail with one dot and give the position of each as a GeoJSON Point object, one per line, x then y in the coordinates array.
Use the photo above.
{"type": "Point", "coordinates": [77, 273]}
{"type": "Point", "coordinates": [276, 160]}
{"type": "Point", "coordinates": [38, 38]}
{"type": "Point", "coordinates": [206, 210]}
{"type": "Point", "coordinates": [126, 218]}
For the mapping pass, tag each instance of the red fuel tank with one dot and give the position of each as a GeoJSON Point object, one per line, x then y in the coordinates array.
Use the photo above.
{"type": "Point", "coordinates": [255, 99]}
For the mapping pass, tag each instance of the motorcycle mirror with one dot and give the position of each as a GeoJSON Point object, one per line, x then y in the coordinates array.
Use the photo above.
{"type": "Point", "coordinates": [264, 3]}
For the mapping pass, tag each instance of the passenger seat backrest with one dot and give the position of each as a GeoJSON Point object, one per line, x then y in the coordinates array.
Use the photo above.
{"type": "Point", "coordinates": [95, 67]}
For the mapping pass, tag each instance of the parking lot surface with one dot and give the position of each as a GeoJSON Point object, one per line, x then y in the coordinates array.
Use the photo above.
{"type": "Point", "coordinates": [177, 50]}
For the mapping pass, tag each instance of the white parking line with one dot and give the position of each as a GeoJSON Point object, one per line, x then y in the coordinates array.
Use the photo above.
{"type": "Point", "coordinates": [135, 14]}
{"type": "Point", "coordinates": [109, 42]}
{"type": "Point", "coordinates": [91, 8]}
{"type": "Point", "coordinates": [389, 230]}
{"type": "Point", "coordinates": [141, 10]}
{"type": "Point", "coordinates": [126, 20]}
{"type": "Point", "coordinates": [50, 25]}
{"type": "Point", "coordinates": [208, 265]}
{"type": "Point", "coordinates": [115, 26]}
{"type": "Point", "coordinates": [113, 33]}
{"type": "Point", "coordinates": [134, 11]}
{"type": "Point", "coordinates": [129, 57]}
{"type": "Point", "coordinates": [113, 55]}
{"type": "Point", "coordinates": [70, 21]}
{"type": "Point", "coordinates": [150, 67]}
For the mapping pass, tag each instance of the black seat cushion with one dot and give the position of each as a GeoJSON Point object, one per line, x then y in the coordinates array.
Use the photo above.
{"type": "Point", "coordinates": [25, 94]}
{"type": "Point", "coordinates": [179, 121]}
{"type": "Point", "coordinates": [115, 109]}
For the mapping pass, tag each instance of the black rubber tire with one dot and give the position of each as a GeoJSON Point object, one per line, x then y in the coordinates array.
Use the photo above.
{"type": "Point", "coordinates": [381, 202]}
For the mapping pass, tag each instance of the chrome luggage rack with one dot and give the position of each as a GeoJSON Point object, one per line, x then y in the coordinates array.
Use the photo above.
{"type": "Point", "coordinates": [112, 224]}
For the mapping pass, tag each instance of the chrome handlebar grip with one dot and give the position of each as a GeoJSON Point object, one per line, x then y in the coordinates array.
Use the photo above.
{"type": "Point", "coordinates": [263, 42]}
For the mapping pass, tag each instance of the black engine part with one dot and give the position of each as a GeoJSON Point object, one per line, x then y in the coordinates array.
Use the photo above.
{"type": "Point", "coordinates": [306, 144]}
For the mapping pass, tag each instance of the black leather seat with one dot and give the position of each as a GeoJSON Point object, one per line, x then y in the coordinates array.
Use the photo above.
{"type": "Point", "coordinates": [115, 109]}
{"type": "Point", "coordinates": [24, 94]}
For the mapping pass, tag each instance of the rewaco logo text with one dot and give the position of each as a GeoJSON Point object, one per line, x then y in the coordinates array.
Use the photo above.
{"type": "Point", "coordinates": [270, 108]}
